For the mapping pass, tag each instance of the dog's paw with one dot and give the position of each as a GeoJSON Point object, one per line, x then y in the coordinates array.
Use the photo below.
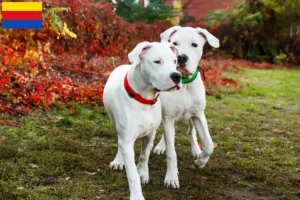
{"type": "Point", "coordinates": [159, 149]}
{"type": "Point", "coordinates": [171, 180]}
{"type": "Point", "coordinates": [201, 161]}
{"type": "Point", "coordinates": [196, 151]}
{"type": "Point", "coordinates": [144, 179]}
{"type": "Point", "coordinates": [116, 165]}
{"type": "Point", "coordinates": [144, 174]}
{"type": "Point", "coordinates": [136, 196]}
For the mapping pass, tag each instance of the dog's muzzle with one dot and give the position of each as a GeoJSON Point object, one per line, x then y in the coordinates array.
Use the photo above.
{"type": "Point", "coordinates": [182, 60]}
{"type": "Point", "coordinates": [181, 65]}
{"type": "Point", "coordinates": [176, 77]}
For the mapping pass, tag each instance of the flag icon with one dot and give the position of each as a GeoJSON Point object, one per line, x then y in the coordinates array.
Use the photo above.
{"type": "Point", "coordinates": [22, 15]}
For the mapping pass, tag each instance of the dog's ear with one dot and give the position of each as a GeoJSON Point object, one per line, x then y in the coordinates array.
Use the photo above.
{"type": "Point", "coordinates": [138, 50]}
{"type": "Point", "coordinates": [173, 47]}
{"type": "Point", "coordinates": [165, 36]}
{"type": "Point", "coordinates": [212, 40]}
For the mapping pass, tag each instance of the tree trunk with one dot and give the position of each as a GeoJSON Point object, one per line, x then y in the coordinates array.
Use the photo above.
{"type": "Point", "coordinates": [177, 6]}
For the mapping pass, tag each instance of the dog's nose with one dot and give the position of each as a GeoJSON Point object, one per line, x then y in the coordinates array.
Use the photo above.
{"type": "Point", "coordinates": [182, 59]}
{"type": "Point", "coordinates": [176, 77]}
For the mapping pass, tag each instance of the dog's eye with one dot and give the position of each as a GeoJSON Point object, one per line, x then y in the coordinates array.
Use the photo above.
{"type": "Point", "coordinates": [157, 61]}
{"type": "Point", "coordinates": [175, 61]}
{"type": "Point", "coordinates": [194, 44]}
{"type": "Point", "coordinates": [175, 43]}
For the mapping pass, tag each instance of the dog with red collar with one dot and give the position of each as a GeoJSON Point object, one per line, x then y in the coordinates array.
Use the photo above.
{"type": "Point", "coordinates": [131, 100]}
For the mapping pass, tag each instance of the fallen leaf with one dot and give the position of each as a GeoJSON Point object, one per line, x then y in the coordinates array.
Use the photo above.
{"type": "Point", "coordinates": [201, 145]}
{"type": "Point", "coordinates": [22, 170]}
{"type": "Point", "coordinates": [26, 110]}
{"type": "Point", "coordinates": [15, 125]}
{"type": "Point", "coordinates": [33, 166]}
{"type": "Point", "coordinates": [71, 110]}
{"type": "Point", "coordinates": [5, 119]}
{"type": "Point", "coordinates": [55, 119]}
{"type": "Point", "coordinates": [278, 131]}
{"type": "Point", "coordinates": [91, 173]}
{"type": "Point", "coordinates": [233, 148]}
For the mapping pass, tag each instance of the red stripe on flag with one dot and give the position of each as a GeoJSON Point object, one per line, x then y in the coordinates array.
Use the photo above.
{"type": "Point", "coordinates": [22, 15]}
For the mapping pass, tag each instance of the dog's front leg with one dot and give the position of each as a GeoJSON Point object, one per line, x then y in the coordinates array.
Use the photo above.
{"type": "Point", "coordinates": [147, 143]}
{"type": "Point", "coordinates": [127, 150]}
{"type": "Point", "coordinates": [171, 179]}
{"type": "Point", "coordinates": [208, 146]}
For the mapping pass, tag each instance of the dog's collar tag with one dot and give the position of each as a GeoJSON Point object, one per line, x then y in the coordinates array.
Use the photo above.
{"type": "Point", "coordinates": [186, 80]}
{"type": "Point", "coordinates": [132, 94]}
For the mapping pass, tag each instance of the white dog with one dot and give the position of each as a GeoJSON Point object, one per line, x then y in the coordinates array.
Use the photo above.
{"type": "Point", "coordinates": [188, 103]}
{"type": "Point", "coordinates": [131, 100]}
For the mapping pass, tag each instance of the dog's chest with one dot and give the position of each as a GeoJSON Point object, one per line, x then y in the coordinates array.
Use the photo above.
{"type": "Point", "coordinates": [183, 105]}
{"type": "Point", "coordinates": [188, 107]}
{"type": "Point", "coordinates": [147, 123]}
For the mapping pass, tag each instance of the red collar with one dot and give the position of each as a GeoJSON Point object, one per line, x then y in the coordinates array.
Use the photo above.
{"type": "Point", "coordinates": [137, 96]}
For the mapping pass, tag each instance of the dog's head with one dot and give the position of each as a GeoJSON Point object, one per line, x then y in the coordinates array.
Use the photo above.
{"type": "Point", "coordinates": [158, 63]}
{"type": "Point", "coordinates": [189, 41]}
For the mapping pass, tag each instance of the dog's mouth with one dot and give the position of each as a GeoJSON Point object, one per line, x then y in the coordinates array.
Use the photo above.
{"type": "Point", "coordinates": [176, 87]}
{"type": "Point", "coordinates": [181, 65]}
{"type": "Point", "coordinates": [182, 69]}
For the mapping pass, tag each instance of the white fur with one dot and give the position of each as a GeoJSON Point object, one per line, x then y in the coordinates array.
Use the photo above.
{"type": "Point", "coordinates": [186, 104]}
{"type": "Point", "coordinates": [133, 119]}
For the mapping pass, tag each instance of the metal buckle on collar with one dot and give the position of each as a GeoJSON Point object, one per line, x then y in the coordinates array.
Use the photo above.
{"type": "Point", "coordinates": [155, 100]}
{"type": "Point", "coordinates": [131, 94]}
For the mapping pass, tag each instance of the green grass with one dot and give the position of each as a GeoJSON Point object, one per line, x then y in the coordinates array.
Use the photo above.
{"type": "Point", "coordinates": [58, 155]}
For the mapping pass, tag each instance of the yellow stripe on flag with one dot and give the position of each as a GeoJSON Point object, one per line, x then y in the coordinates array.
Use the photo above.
{"type": "Point", "coordinates": [22, 6]}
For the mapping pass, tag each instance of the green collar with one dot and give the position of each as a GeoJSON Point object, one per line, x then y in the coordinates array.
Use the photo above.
{"type": "Point", "coordinates": [189, 80]}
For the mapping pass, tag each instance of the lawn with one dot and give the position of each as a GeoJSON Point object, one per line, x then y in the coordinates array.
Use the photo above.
{"type": "Point", "coordinates": [64, 153]}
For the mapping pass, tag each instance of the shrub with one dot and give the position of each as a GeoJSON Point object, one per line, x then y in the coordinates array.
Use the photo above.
{"type": "Point", "coordinates": [259, 30]}
{"type": "Point", "coordinates": [39, 68]}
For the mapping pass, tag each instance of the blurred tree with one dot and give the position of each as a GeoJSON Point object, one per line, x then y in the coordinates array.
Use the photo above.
{"type": "Point", "coordinates": [151, 11]}
{"type": "Point", "coordinates": [287, 13]}
{"type": "Point", "coordinates": [259, 29]}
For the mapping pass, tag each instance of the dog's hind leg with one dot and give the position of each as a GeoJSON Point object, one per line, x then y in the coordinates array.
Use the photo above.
{"type": "Point", "coordinates": [147, 143]}
{"type": "Point", "coordinates": [208, 146]}
{"type": "Point", "coordinates": [196, 151]}
{"type": "Point", "coordinates": [117, 163]}
{"type": "Point", "coordinates": [160, 147]}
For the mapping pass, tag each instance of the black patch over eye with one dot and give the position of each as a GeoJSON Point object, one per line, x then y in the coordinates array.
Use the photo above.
{"type": "Point", "coordinates": [194, 45]}
{"type": "Point", "coordinates": [157, 61]}
{"type": "Point", "coordinates": [175, 43]}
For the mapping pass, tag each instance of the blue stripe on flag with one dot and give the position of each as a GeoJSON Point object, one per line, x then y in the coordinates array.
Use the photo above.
{"type": "Point", "coordinates": [21, 24]}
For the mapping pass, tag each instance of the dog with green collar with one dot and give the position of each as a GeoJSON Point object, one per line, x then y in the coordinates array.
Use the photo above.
{"type": "Point", "coordinates": [188, 103]}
